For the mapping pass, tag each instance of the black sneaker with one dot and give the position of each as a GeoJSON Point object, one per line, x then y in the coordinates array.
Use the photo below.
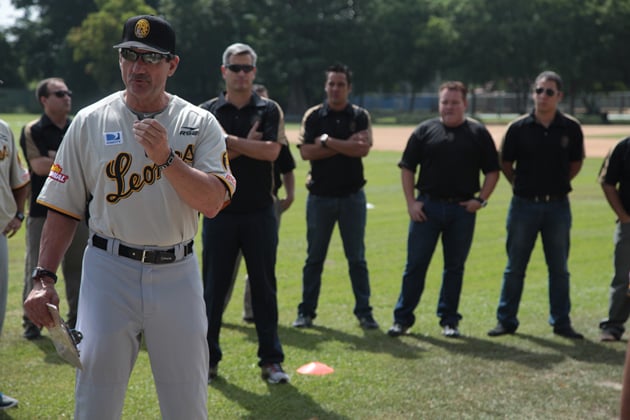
{"type": "Point", "coordinates": [367, 322]}
{"type": "Point", "coordinates": [303, 321]}
{"type": "Point", "coordinates": [609, 336]}
{"type": "Point", "coordinates": [274, 374]}
{"type": "Point", "coordinates": [31, 332]}
{"type": "Point", "coordinates": [451, 331]}
{"type": "Point", "coordinates": [213, 372]}
{"type": "Point", "coordinates": [500, 329]}
{"type": "Point", "coordinates": [397, 330]}
{"type": "Point", "coordinates": [7, 402]}
{"type": "Point", "coordinates": [567, 332]}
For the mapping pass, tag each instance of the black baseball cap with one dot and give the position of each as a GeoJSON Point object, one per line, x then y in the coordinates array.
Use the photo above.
{"type": "Point", "coordinates": [149, 33]}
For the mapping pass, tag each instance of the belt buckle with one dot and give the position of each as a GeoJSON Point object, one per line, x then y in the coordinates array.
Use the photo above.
{"type": "Point", "coordinates": [144, 254]}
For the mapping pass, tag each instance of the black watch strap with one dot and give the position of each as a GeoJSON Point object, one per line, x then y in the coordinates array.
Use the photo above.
{"type": "Point", "coordinates": [20, 216]}
{"type": "Point", "coordinates": [40, 272]}
{"type": "Point", "coordinates": [169, 160]}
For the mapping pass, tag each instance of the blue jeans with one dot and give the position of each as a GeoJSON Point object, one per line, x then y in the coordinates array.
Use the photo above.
{"type": "Point", "coordinates": [619, 302]}
{"type": "Point", "coordinates": [456, 226]}
{"type": "Point", "coordinates": [255, 234]}
{"type": "Point", "coordinates": [321, 215]}
{"type": "Point", "coordinates": [525, 219]}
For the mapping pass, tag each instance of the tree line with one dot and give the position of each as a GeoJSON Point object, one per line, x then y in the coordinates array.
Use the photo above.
{"type": "Point", "coordinates": [391, 45]}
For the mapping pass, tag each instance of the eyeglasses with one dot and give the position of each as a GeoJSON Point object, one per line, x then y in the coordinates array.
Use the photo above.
{"type": "Point", "coordinates": [148, 57]}
{"type": "Point", "coordinates": [549, 92]}
{"type": "Point", "coordinates": [236, 68]}
{"type": "Point", "coordinates": [62, 93]}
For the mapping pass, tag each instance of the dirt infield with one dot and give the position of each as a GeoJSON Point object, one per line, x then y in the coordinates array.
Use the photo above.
{"type": "Point", "coordinates": [598, 138]}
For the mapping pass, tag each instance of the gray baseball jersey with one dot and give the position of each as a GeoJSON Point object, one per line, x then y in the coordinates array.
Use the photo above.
{"type": "Point", "coordinates": [100, 166]}
{"type": "Point", "coordinates": [12, 174]}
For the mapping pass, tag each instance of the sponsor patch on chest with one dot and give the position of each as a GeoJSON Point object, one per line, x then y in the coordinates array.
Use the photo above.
{"type": "Point", "coordinates": [112, 138]}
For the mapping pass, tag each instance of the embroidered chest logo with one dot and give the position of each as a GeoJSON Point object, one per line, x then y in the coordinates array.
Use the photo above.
{"type": "Point", "coordinates": [126, 183]}
{"type": "Point", "coordinates": [189, 131]}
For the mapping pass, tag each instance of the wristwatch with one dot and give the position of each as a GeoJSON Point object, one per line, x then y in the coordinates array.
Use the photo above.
{"type": "Point", "coordinates": [483, 202]}
{"type": "Point", "coordinates": [40, 272]}
{"type": "Point", "coordinates": [20, 216]}
{"type": "Point", "coordinates": [323, 139]}
{"type": "Point", "coordinates": [169, 160]}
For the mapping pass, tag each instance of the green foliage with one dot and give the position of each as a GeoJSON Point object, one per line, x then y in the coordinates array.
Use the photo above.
{"type": "Point", "coordinates": [532, 374]}
{"type": "Point", "coordinates": [93, 40]}
{"type": "Point", "coordinates": [392, 45]}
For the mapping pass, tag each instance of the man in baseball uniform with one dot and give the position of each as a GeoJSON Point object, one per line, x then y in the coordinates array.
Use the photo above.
{"type": "Point", "coordinates": [13, 192]}
{"type": "Point", "coordinates": [143, 163]}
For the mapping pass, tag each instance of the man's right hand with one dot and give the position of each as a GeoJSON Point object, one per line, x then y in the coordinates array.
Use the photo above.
{"type": "Point", "coordinates": [43, 292]}
{"type": "Point", "coordinates": [254, 134]}
{"type": "Point", "coordinates": [416, 212]}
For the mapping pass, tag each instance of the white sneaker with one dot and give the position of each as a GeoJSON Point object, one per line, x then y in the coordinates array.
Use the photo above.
{"type": "Point", "coordinates": [274, 374]}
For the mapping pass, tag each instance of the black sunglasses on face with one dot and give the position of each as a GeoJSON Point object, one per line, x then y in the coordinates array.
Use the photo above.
{"type": "Point", "coordinates": [62, 93]}
{"type": "Point", "coordinates": [549, 92]}
{"type": "Point", "coordinates": [148, 57]}
{"type": "Point", "coordinates": [240, 67]}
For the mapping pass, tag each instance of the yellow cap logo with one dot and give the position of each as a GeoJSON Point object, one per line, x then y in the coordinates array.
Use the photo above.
{"type": "Point", "coordinates": [142, 28]}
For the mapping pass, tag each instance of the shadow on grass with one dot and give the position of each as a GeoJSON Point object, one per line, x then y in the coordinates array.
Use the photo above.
{"type": "Point", "coordinates": [6, 415]}
{"type": "Point", "coordinates": [584, 350]}
{"type": "Point", "coordinates": [46, 346]}
{"type": "Point", "coordinates": [282, 401]}
{"type": "Point", "coordinates": [494, 350]}
{"type": "Point", "coordinates": [372, 341]}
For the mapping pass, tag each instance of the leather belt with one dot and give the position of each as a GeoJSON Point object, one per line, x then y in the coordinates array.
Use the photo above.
{"type": "Point", "coordinates": [165, 256]}
{"type": "Point", "coordinates": [450, 200]}
{"type": "Point", "coordinates": [543, 198]}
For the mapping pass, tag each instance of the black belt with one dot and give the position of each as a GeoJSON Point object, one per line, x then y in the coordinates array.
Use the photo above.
{"type": "Point", "coordinates": [450, 200]}
{"type": "Point", "coordinates": [164, 256]}
{"type": "Point", "coordinates": [543, 198]}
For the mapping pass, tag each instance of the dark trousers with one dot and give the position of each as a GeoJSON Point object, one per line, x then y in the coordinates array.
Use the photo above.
{"type": "Point", "coordinates": [255, 234]}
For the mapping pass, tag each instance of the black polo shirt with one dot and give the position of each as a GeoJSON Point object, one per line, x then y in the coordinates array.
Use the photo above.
{"type": "Point", "coordinates": [37, 139]}
{"type": "Point", "coordinates": [542, 154]}
{"type": "Point", "coordinates": [450, 158]}
{"type": "Point", "coordinates": [254, 177]}
{"type": "Point", "coordinates": [283, 164]}
{"type": "Point", "coordinates": [338, 175]}
{"type": "Point", "coordinates": [615, 171]}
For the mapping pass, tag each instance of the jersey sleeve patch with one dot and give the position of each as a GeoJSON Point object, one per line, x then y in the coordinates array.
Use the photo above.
{"type": "Point", "coordinates": [56, 174]}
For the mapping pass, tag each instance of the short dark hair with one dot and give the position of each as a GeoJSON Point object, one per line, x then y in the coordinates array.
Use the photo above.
{"type": "Point", "coordinates": [42, 87]}
{"type": "Point", "coordinates": [551, 76]}
{"type": "Point", "coordinates": [454, 85]}
{"type": "Point", "coordinates": [340, 68]}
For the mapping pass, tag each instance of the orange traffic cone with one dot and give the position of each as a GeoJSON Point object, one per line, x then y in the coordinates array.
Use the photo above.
{"type": "Point", "coordinates": [315, 368]}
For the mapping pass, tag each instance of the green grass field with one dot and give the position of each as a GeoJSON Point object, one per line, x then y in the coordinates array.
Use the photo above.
{"type": "Point", "coordinates": [530, 375]}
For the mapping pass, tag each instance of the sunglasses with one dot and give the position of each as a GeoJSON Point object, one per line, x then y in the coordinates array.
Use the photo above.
{"type": "Point", "coordinates": [236, 68]}
{"type": "Point", "coordinates": [148, 57]}
{"type": "Point", "coordinates": [62, 93]}
{"type": "Point", "coordinates": [549, 92]}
